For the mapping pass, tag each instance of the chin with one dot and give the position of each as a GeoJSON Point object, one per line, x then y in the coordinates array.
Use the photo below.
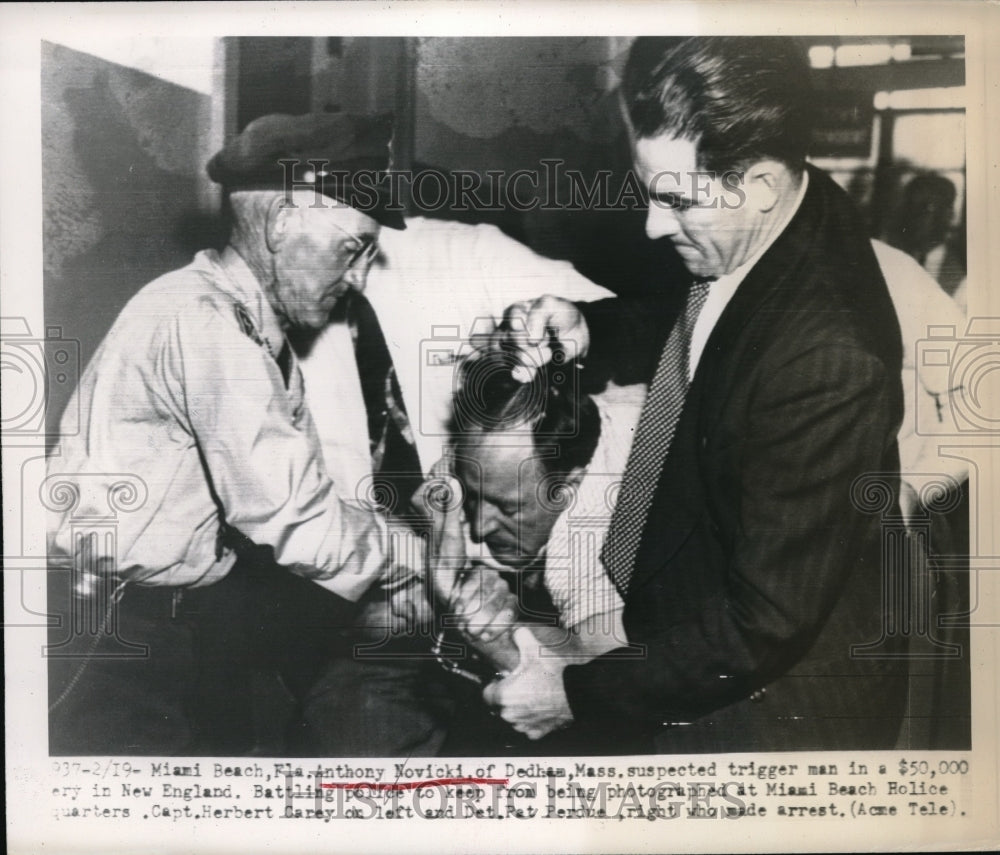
{"type": "Point", "coordinates": [312, 322]}
{"type": "Point", "coordinates": [696, 267]}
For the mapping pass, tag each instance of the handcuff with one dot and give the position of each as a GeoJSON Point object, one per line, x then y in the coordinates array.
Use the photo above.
{"type": "Point", "coordinates": [447, 662]}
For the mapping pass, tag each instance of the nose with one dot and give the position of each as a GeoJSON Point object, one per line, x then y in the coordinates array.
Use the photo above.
{"type": "Point", "coordinates": [661, 221]}
{"type": "Point", "coordinates": [356, 277]}
{"type": "Point", "coordinates": [482, 522]}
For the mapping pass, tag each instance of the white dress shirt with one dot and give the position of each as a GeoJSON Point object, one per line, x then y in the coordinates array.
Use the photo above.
{"type": "Point", "coordinates": [927, 394]}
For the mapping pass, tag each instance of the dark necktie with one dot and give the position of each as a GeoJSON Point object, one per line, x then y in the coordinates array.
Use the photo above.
{"type": "Point", "coordinates": [395, 464]}
{"type": "Point", "coordinates": [652, 441]}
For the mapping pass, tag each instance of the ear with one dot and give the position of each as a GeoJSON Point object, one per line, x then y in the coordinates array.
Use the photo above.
{"type": "Point", "coordinates": [575, 475]}
{"type": "Point", "coordinates": [276, 225]}
{"type": "Point", "coordinates": [764, 184]}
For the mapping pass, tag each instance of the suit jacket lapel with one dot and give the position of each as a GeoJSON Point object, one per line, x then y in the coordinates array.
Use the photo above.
{"type": "Point", "coordinates": [680, 503]}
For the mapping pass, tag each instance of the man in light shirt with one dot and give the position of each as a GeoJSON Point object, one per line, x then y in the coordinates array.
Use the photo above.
{"type": "Point", "coordinates": [432, 287]}
{"type": "Point", "coordinates": [927, 394]}
{"type": "Point", "coordinates": [536, 466]}
{"type": "Point", "coordinates": [230, 540]}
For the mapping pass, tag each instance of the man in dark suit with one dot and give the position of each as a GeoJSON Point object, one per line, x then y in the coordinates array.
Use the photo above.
{"type": "Point", "coordinates": [751, 570]}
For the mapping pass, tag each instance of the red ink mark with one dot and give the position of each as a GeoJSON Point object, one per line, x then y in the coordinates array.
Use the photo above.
{"type": "Point", "coordinates": [413, 785]}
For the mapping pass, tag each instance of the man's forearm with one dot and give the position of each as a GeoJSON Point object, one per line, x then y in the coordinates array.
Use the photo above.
{"type": "Point", "coordinates": [626, 336]}
{"type": "Point", "coordinates": [502, 652]}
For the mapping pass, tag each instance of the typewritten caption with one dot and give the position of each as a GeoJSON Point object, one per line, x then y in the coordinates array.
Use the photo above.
{"type": "Point", "coordinates": [696, 789]}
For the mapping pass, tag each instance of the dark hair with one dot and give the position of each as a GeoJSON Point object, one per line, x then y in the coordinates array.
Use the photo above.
{"type": "Point", "coordinates": [930, 186]}
{"type": "Point", "coordinates": [738, 99]}
{"type": "Point", "coordinates": [551, 406]}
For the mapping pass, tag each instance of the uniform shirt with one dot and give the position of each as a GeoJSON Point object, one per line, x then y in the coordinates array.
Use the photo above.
{"type": "Point", "coordinates": [432, 286]}
{"type": "Point", "coordinates": [185, 399]}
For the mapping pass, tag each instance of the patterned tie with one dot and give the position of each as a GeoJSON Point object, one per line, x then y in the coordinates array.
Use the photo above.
{"type": "Point", "coordinates": [395, 464]}
{"type": "Point", "coordinates": [652, 443]}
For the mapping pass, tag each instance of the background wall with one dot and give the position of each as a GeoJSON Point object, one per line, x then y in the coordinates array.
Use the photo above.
{"type": "Point", "coordinates": [126, 135]}
{"type": "Point", "coordinates": [123, 156]}
{"type": "Point", "coordinates": [508, 104]}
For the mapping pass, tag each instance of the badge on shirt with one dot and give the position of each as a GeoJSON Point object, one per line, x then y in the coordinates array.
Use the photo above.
{"type": "Point", "coordinates": [247, 325]}
{"type": "Point", "coordinates": [249, 328]}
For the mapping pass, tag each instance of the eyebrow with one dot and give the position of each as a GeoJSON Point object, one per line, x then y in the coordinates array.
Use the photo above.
{"type": "Point", "coordinates": [677, 200]}
{"type": "Point", "coordinates": [363, 240]}
{"type": "Point", "coordinates": [480, 492]}
{"type": "Point", "coordinates": [363, 237]}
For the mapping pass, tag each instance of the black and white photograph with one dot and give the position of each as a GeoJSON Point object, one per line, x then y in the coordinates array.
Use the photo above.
{"type": "Point", "coordinates": [441, 421]}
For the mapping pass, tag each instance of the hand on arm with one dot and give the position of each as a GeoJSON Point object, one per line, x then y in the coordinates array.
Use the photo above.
{"type": "Point", "coordinates": [532, 698]}
{"type": "Point", "coordinates": [476, 595]}
{"type": "Point", "coordinates": [486, 612]}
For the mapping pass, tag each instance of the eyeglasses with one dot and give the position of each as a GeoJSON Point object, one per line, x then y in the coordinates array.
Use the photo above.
{"type": "Point", "coordinates": [364, 254]}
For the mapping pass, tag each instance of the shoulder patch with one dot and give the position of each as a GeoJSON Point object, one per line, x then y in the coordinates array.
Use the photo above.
{"type": "Point", "coordinates": [247, 325]}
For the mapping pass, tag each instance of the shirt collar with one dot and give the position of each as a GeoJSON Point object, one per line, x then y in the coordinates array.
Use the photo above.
{"type": "Point", "coordinates": [251, 295]}
{"type": "Point", "coordinates": [724, 288]}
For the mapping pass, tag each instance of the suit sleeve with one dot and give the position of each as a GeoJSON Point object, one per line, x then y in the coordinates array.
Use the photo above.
{"type": "Point", "coordinates": [816, 423]}
{"type": "Point", "coordinates": [627, 336]}
{"type": "Point", "coordinates": [264, 461]}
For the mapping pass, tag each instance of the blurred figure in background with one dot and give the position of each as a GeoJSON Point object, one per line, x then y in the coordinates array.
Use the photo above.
{"type": "Point", "coordinates": [923, 229]}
